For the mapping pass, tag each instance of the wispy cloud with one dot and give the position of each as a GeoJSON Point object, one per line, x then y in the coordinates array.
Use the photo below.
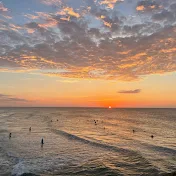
{"type": "Point", "coordinates": [10, 98]}
{"type": "Point", "coordinates": [130, 91]}
{"type": "Point", "coordinates": [68, 81]}
{"type": "Point", "coordinates": [2, 8]}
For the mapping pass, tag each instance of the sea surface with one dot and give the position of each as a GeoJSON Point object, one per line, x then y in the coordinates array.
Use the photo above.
{"type": "Point", "coordinates": [87, 141]}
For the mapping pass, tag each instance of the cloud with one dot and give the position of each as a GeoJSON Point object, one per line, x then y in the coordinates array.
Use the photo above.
{"type": "Point", "coordinates": [164, 15]}
{"type": "Point", "coordinates": [9, 98]}
{"type": "Point", "coordinates": [140, 8]}
{"type": "Point", "coordinates": [52, 2]}
{"type": "Point", "coordinates": [2, 8]}
{"type": "Point", "coordinates": [71, 12]}
{"type": "Point", "coordinates": [130, 91]}
{"type": "Point", "coordinates": [68, 81]}
{"type": "Point", "coordinates": [109, 3]}
{"type": "Point", "coordinates": [92, 40]}
{"type": "Point", "coordinates": [148, 5]}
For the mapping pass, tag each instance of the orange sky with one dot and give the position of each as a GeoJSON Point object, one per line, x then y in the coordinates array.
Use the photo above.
{"type": "Point", "coordinates": [52, 91]}
{"type": "Point", "coordinates": [88, 53]}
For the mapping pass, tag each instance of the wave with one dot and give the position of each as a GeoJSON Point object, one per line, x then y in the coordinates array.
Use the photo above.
{"type": "Point", "coordinates": [3, 131]}
{"type": "Point", "coordinates": [134, 156]}
{"type": "Point", "coordinates": [97, 144]}
{"type": "Point", "coordinates": [163, 149]}
{"type": "Point", "coordinates": [157, 148]}
{"type": "Point", "coordinates": [30, 115]}
{"type": "Point", "coordinates": [97, 172]}
{"type": "Point", "coordinates": [28, 174]}
{"type": "Point", "coordinates": [169, 174]}
{"type": "Point", "coordinates": [6, 114]}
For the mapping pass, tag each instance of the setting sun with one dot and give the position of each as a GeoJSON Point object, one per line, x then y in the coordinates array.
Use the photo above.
{"type": "Point", "coordinates": [87, 87]}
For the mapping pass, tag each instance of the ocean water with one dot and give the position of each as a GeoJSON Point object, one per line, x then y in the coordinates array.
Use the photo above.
{"type": "Point", "coordinates": [75, 145]}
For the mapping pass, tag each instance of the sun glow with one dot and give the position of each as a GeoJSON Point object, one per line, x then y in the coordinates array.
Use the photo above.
{"type": "Point", "coordinates": [109, 107]}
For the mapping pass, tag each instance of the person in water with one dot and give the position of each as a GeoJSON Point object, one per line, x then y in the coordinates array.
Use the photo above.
{"type": "Point", "coordinates": [42, 142]}
{"type": "Point", "coordinates": [30, 129]}
{"type": "Point", "coordinates": [10, 135]}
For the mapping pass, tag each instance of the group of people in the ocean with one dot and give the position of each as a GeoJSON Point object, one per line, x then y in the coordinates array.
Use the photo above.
{"type": "Point", "coordinates": [42, 141]}
{"type": "Point", "coordinates": [96, 122]}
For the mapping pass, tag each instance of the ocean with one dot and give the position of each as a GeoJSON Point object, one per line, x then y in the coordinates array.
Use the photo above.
{"type": "Point", "coordinates": [87, 141]}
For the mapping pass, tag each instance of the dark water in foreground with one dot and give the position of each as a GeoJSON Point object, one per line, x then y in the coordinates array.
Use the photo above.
{"type": "Point", "coordinates": [74, 145]}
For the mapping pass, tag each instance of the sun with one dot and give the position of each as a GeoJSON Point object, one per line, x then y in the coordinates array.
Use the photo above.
{"type": "Point", "coordinates": [109, 107]}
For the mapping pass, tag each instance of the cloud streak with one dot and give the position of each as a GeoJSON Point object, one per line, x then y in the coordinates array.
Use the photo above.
{"type": "Point", "coordinates": [136, 91]}
{"type": "Point", "coordinates": [9, 98]}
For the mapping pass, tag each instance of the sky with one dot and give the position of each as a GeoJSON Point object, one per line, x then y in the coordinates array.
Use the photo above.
{"type": "Point", "coordinates": [88, 53]}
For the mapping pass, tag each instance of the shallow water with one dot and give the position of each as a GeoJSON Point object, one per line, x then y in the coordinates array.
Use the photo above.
{"type": "Point", "coordinates": [75, 145]}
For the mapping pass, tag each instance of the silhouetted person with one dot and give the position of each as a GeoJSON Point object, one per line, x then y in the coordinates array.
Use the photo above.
{"type": "Point", "coordinates": [51, 120]}
{"type": "Point", "coordinates": [10, 135]}
{"type": "Point", "coordinates": [152, 136]}
{"type": "Point", "coordinates": [133, 131]}
{"type": "Point", "coordinates": [42, 142]}
{"type": "Point", "coordinates": [57, 120]}
{"type": "Point", "coordinates": [30, 129]}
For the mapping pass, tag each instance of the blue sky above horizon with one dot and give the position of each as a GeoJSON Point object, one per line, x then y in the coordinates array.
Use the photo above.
{"type": "Point", "coordinates": [88, 53]}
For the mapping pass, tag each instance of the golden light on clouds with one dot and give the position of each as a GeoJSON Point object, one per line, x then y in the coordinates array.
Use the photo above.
{"type": "Point", "coordinates": [140, 8]}
{"type": "Point", "coordinates": [79, 47]}
{"type": "Point", "coordinates": [71, 12]}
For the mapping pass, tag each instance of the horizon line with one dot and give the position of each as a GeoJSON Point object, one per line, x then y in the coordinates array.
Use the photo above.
{"type": "Point", "coordinates": [87, 107]}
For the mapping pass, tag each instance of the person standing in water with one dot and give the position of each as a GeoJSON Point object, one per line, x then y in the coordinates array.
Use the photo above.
{"type": "Point", "coordinates": [42, 142]}
{"type": "Point", "coordinates": [10, 135]}
{"type": "Point", "coordinates": [30, 129]}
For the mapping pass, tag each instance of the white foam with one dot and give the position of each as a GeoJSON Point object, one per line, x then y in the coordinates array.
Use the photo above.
{"type": "Point", "coordinates": [20, 169]}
